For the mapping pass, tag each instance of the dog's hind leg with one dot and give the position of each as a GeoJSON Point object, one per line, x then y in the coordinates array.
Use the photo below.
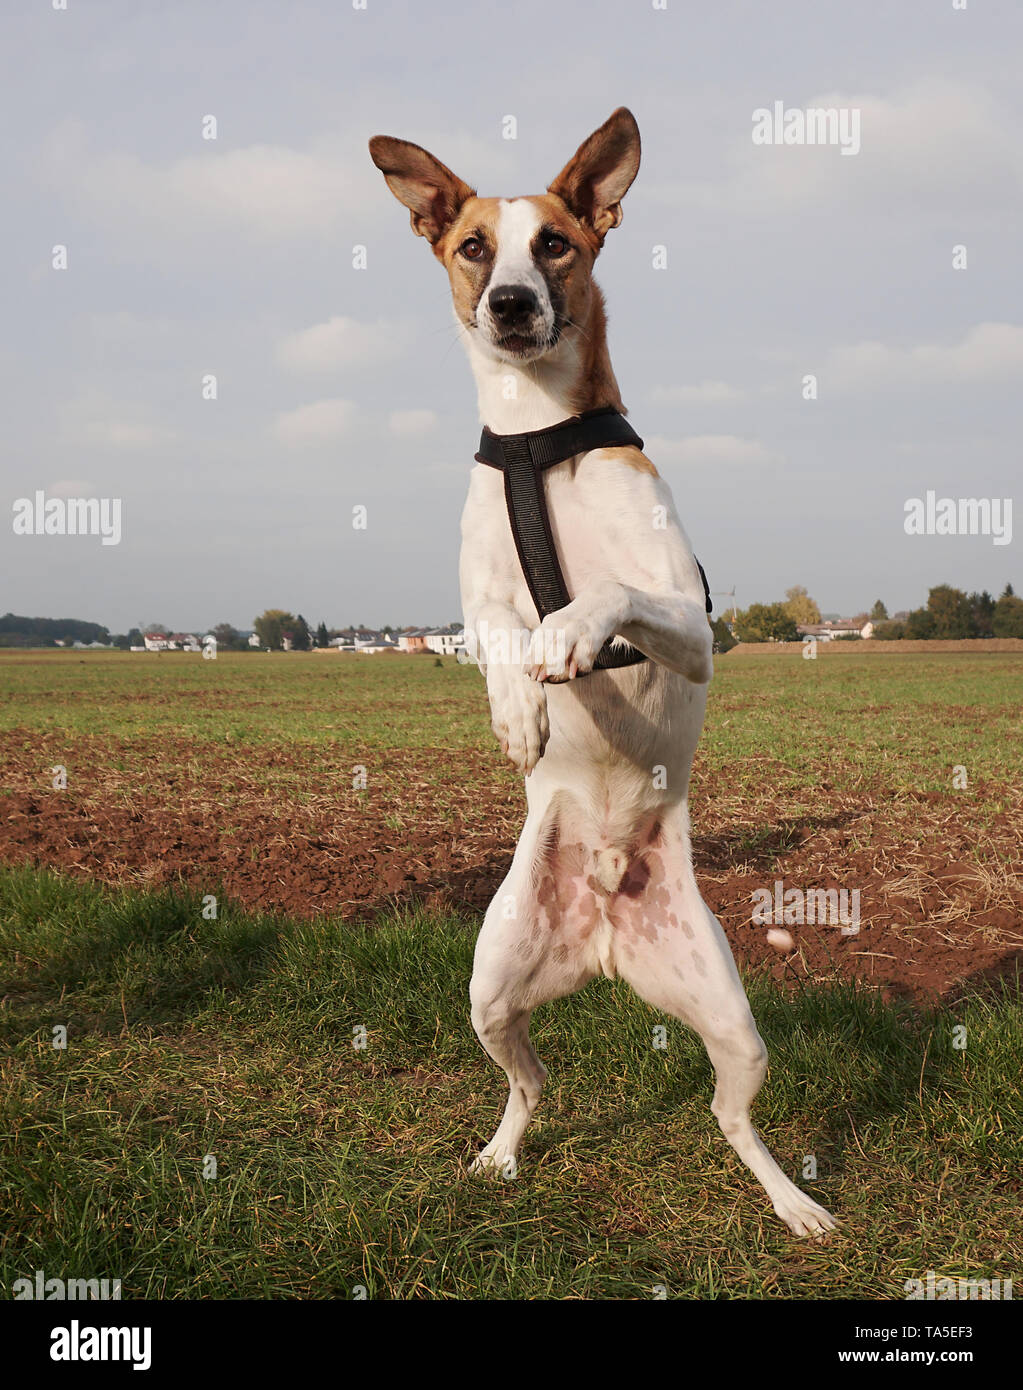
{"type": "Point", "coordinates": [672, 950]}
{"type": "Point", "coordinates": [539, 942]}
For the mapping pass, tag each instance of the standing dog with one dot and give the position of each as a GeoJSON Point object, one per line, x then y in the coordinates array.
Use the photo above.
{"type": "Point", "coordinates": [602, 879]}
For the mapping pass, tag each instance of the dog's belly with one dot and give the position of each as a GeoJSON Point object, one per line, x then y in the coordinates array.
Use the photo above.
{"type": "Point", "coordinates": [638, 725]}
{"type": "Point", "coordinates": [613, 779]}
{"type": "Point", "coordinates": [587, 907]}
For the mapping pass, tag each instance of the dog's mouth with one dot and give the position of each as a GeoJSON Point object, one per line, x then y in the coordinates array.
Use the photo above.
{"type": "Point", "coordinates": [518, 342]}
{"type": "Point", "coordinates": [527, 344]}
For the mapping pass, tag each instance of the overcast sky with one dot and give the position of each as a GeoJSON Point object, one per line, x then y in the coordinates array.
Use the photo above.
{"type": "Point", "coordinates": [339, 387]}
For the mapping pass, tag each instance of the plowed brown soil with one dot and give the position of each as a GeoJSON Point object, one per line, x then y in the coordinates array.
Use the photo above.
{"type": "Point", "coordinates": [939, 907]}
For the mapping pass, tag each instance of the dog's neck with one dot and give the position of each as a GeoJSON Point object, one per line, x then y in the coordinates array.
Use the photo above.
{"type": "Point", "coordinates": [574, 377]}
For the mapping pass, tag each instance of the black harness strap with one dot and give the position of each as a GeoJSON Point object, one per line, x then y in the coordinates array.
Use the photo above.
{"type": "Point", "coordinates": [523, 458]}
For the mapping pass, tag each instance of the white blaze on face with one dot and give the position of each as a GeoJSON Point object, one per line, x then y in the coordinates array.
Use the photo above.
{"type": "Point", "coordinates": [518, 222]}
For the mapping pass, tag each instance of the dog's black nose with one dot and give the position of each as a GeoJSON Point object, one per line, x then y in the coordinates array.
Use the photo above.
{"type": "Point", "coordinates": [512, 304]}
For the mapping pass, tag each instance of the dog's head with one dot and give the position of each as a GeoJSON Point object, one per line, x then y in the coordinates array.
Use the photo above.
{"type": "Point", "coordinates": [519, 267]}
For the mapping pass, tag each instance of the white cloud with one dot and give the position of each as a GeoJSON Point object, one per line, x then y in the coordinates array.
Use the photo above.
{"type": "Point", "coordinates": [412, 422]}
{"type": "Point", "coordinates": [265, 192]}
{"type": "Point", "coordinates": [71, 487]}
{"type": "Point", "coordinates": [707, 449]}
{"type": "Point", "coordinates": [319, 422]}
{"type": "Point", "coordinates": [704, 393]}
{"type": "Point", "coordinates": [93, 418]}
{"type": "Point", "coordinates": [343, 342]}
{"type": "Point", "coordinates": [126, 434]}
{"type": "Point", "coordinates": [916, 145]}
{"type": "Point", "coordinates": [988, 352]}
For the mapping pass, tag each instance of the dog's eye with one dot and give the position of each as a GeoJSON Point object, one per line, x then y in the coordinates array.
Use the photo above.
{"type": "Point", "coordinates": [554, 245]}
{"type": "Point", "coordinates": [472, 248]}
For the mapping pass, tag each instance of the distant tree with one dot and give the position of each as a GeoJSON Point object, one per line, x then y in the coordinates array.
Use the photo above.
{"type": "Point", "coordinates": [889, 632]}
{"type": "Point", "coordinates": [1007, 620]}
{"type": "Point", "coordinates": [766, 622]}
{"type": "Point", "coordinates": [723, 639]}
{"type": "Point", "coordinates": [322, 636]}
{"type": "Point", "coordinates": [920, 624]}
{"type": "Point", "coordinates": [800, 606]}
{"type": "Point", "coordinates": [123, 640]}
{"type": "Point", "coordinates": [950, 609]}
{"type": "Point", "coordinates": [879, 613]}
{"type": "Point", "coordinates": [300, 635]}
{"type": "Point", "coordinates": [982, 610]}
{"type": "Point", "coordinates": [271, 626]}
{"type": "Point", "coordinates": [228, 637]}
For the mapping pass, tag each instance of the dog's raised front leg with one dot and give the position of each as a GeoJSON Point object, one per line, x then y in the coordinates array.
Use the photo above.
{"type": "Point", "coordinates": [669, 628]}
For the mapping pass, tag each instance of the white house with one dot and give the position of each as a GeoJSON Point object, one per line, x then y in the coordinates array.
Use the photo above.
{"type": "Point", "coordinates": [833, 628]}
{"type": "Point", "coordinates": [366, 641]}
{"type": "Point", "coordinates": [374, 642]}
{"type": "Point", "coordinates": [445, 643]}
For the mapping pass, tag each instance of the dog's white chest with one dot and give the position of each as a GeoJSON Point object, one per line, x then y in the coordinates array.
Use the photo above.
{"type": "Point", "coordinates": [601, 517]}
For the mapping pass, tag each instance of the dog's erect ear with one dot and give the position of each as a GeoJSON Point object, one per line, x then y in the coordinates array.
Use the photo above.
{"type": "Point", "coordinates": [597, 177]}
{"type": "Point", "coordinates": [428, 188]}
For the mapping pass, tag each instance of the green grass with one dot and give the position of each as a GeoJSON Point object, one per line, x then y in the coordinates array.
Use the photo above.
{"type": "Point", "coordinates": [249, 700]}
{"type": "Point", "coordinates": [340, 1168]}
{"type": "Point", "coordinates": [840, 719]}
{"type": "Point", "coordinates": [849, 717]}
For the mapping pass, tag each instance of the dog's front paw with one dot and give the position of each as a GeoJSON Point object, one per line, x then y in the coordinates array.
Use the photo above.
{"type": "Point", "coordinates": [518, 716]}
{"type": "Point", "coordinates": [567, 643]}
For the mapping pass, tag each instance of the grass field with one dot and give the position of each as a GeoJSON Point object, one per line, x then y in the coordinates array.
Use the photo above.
{"type": "Point", "coordinates": [341, 1166]}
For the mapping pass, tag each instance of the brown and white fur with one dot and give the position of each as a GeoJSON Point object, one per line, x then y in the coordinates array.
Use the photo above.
{"type": "Point", "coordinates": [601, 881]}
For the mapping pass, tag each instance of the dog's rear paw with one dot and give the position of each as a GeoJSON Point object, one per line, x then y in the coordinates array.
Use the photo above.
{"type": "Point", "coordinates": [804, 1217]}
{"type": "Point", "coordinates": [494, 1162]}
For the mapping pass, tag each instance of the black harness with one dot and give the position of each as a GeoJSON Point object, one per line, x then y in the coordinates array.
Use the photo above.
{"type": "Point", "coordinates": [522, 458]}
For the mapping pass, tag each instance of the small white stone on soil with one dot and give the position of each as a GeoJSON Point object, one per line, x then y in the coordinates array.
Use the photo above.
{"type": "Point", "coordinates": [781, 940]}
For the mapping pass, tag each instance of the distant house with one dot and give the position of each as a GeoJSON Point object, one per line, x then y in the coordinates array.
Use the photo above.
{"type": "Point", "coordinates": [833, 628]}
{"type": "Point", "coordinates": [413, 639]}
{"type": "Point", "coordinates": [446, 642]}
{"type": "Point", "coordinates": [364, 640]}
{"type": "Point", "coordinates": [183, 641]}
{"type": "Point", "coordinates": [372, 643]}
{"type": "Point", "coordinates": [155, 641]}
{"type": "Point", "coordinates": [254, 639]}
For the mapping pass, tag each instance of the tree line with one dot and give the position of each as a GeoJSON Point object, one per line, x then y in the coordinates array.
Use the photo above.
{"type": "Point", "coordinates": [272, 626]}
{"type": "Point", "coordinates": [949, 613]}
{"type": "Point", "coordinates": [18, 631]}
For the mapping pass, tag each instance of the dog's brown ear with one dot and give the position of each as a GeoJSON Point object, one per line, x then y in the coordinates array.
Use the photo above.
{"type": "Point", "coordinates": [597, 177]}
{"type": "Point", "coordinates": [428, 188]}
